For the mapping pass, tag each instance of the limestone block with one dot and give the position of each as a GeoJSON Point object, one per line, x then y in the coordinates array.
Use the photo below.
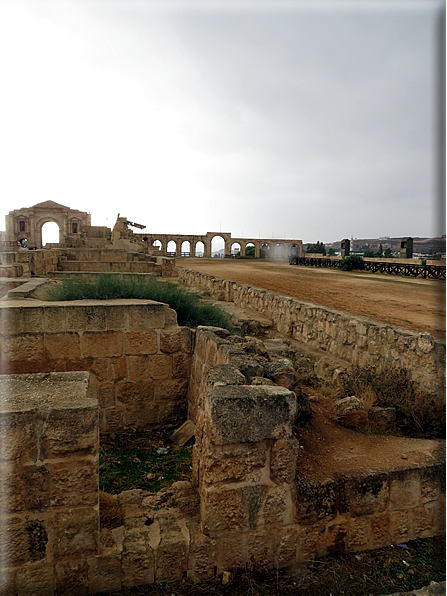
{"type": "Point", "coordinates": [24, 489]}
{"type": "Point", "coordinates": [32, 319]}
{"type": "Point", "coordinates": [24, 541]}
{"type": "Point", "coordinates": [358, 533]}
{"type": "Point", "coordinates": [286, 543]}
{"type": "Point", "coordinates": [105, 574]}
{"type": "Point", "coordinates": [11, 321]}
{"type": "Point", "coordinates": [173, 390]}
{"type": "Point", "coordinates": [75, 532]}
{"type": "Point", "coordinates": [232, 551]}
{"type": "Point", "coordinates": [35, 579]}
{"type": "Point", "coordinates": [62, 345]}
{"type": "Point", "coordinates": [400, 526]}
{"type": "Point", "coordinates": [54, 319]}
{"type": "Point", "coordinates": [160, 367]}
{"type": "Point", "coordinates": [233, 463]}
{"type": "Point", "coordinates": [18, 437]}
{"type": "Point", "coordinates": [281, 371]}
{"type": "Point", "coordinates": [106, 395]}
{"type": "Point", "coordinates": [115, 315]}
{"type": "Point", "coordinates": [423, 518]}
{"type": "Point", "coordinates": [405, 489]}
{"type": "Point", "coordinates": [70, 431]}
{"type": "Point", "coordinates": [311, 541]}
{"type": "Point", "coordinates": [283, 460]}
{"type": "Point", "coordinates": [141, 342]}
{"type": "Point", "coordinates": [248, 414]}
{"type": "Point", "coordinates": [336, 537]}
{"type": "Point", "coordinates": [132, 393]}
{"type": "Point", "coordinates": [143, 415]}
{"type": "Point", "coordinates": [380, 530]}
{"type": "Point", "coordinates": [247, 365]}
{"type": "Point", "coordinates": [202, 555]}
{"type": "Point", "coordinates": [76, 318]}
{"type": "Point", "coordinates": [71, 577]}
{"type": "Point", "coordinates": [181, 365]}
{"type": "Point", "coordinates": [23, 348]}
{"type": "Point", "coordinates": [100, 344]}
{"type": "Point", "coordinates": [138, 561]}
{"type": "Point", "coordinates": [118, 370]}
{"type": "Point", "coordinates": [146, 315]}
{"type": "Point", "coordinates": [171, 560]}
{"type": "Point", "coordinates": [73, 483]}
{"type": "Point", "coordinates": [315, 500]}
{"type": "Point", "coordinates": [432, 484]}
{"type": "Point", "coordinates": [176, 340]}
{"type": "Point", "coordinates": [229, 510]}
{"type": "Point", "coordinates": [276, 508]}
{"type": "Point", "coordinates": [224, 374]}
{"type": "Point", "coordinates": [260, 550]}
{"type": "Point", "coordinates": [139, 368]}
{"type": "Point", "coordinates": [364, 494]}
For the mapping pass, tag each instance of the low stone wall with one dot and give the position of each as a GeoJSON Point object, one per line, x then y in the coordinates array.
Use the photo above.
{"type": "Point", "coordinates": [138, 356]}
{"type": "Point", "coordinates": [25, 263]}
{"type": "Point", "coordinates": [355, 339]}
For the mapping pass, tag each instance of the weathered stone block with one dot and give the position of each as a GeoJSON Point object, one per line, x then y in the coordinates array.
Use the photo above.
{"type": "Point", "coordinates": [283, 460]}
{"type": "Point", "coordinates": [100, 344]}
{"type": "Point", "coordinates": [232, 551]}
{"type": "Point", "coordinates": [75, 533]}
{"type": "Point", "coordinates": [104, 574]}
{"type": "Point", "coordinates": [171, 552]}
{"type": "Point", "coordinates": [62, 345]}
{"type": "Point", "coordinates": [24, 541]}
{"type": "Point", "coordinates": [181, 364]}
{"type": "Point", "coordinates": [115, 317]}
{"type": "Point", "coordinates": [276, 507]}
{"type": "Point", "coordinates": [233, 463]}
{"type": "Point", "coordinates": [35, 579]}
{"type": "Point", "coordinates": [133, 393]}
{"type": "Point", "coordinates": [118, 369]}
{"type": "Point", "coordinates": [400, 526]}
{"type": "Point", "coordinates": [160, 367]}
{"type": "Point", "coordinates": [202, 555]}
{"type": "Point", "coordinates": [139, 368]}
{"type": "Point", "coordinates": [228, 510]}
{"type": "Point", "coordinates": [364, 494]}
{"type": "Point", "coordinates": [146, 315]}
{"type": "Point", "coordinates": [405, 489]}
{"type": "Point", "coordinates": [54, 319]}
{"type": "Point", "coordinates": [249, 414]}
{"type": "Point", "coordinates": [285, 547]}
{"type": "Point", "coordinates": [71, 577]}
{"type": "Point", "coordinates": [24, 348]}
{"type": "Point", "coordinates": [17, 432]}
{"type": "Point", "coordinates": [76, 317]}
{"type": "Point", "coordinates": [106, 395]}
{"type": "Point", "coordinates": [171, 390]}
{"type": "Point", "coordinates": [73, 483]}
{"type": "Point", "coordinates": [69, 431]}
{"type": "Point", "coordinates": [176, 340]}
{"type": "Point", "coordinates": [141, 342]}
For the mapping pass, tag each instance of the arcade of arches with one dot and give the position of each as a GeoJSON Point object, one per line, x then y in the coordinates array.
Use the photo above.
{"type": "Point", "coordinates": [24, 227]}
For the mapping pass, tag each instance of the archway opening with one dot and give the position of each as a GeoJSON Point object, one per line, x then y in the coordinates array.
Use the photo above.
{"type": "Point", "coordinates": [265, 251]}
{"type": "Point", "coordinates": [235, 249]}
{"type": "Point", "coordinates": [185, 249]}
{"type": "Point", "coordinates": [157, 244]}
{"type": "Point", "coordinates": [50, 233]}
{"type": "Point", "coordinates": [171, 248]}
{"type": "Point", "coordinates": [218, 247]}
{"type": "Point", "coordinates": [250, 250]}
{"type": "Point", "coordinates": [279, 254]}
{"type": "Point", "coordinates": [294, 251]}
{"type": "Point", "coordinates": [200, 249]}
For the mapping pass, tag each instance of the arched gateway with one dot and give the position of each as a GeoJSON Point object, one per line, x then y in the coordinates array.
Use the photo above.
{"type": "Point", "coordinates": [25, 225]}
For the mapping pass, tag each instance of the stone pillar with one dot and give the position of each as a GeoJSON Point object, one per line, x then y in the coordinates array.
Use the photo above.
{"type": "Point", "coordinates": [49, 524]}
{"type": "Point", "coordinates": [244, 465]}
{"type": "Point", "coordinates": [257, 250]}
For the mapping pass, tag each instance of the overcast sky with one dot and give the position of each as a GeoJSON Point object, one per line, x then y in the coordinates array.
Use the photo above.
{"type": "Point", "coordinates": [309, 120]}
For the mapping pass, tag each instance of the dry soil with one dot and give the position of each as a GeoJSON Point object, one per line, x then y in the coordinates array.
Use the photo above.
{"type": "Point", "coordinates": [413, 303]}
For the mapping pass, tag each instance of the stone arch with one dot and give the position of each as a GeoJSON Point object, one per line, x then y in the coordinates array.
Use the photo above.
{"type": "Point", "coordinates": [42, 222]}
{"type": "Point", "coordinates": [199, 248]}
{"type": "Point", "coordinates": [247, 245]}
{"type": "Point", "coordinates": [265, 250]}
{"type": "Point", "coordinates": [171, 248]}
{"type": "Point", "coordinates": [218, 245]}
{"type": "Point", "coordinates": [279, 252]}
{"type": "Point", "coordinates": [185, 248]}
{"type": "Point", "coordinates": [235, 249]}
{"type": "Point", "coordinates": [50, 233]}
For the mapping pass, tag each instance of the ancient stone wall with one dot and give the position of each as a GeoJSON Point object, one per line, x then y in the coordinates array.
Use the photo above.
{"type": "Point", "coordinates": [25, 263]}
{"type": "Point", "coordinates": [353, 338]}
{"type": "Point", "coordinates": [138, 356]}
{"type": "Point", "coordinates": [49, 522]}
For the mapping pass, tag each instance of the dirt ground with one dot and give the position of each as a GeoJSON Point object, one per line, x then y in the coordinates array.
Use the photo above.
{"type": "Point", "coordinates": [413, 303]}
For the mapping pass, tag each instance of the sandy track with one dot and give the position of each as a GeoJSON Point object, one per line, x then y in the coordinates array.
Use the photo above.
{"type": "Point", "coordinates": [413, 303]}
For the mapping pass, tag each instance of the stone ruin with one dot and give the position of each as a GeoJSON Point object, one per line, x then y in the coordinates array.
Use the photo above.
{"type": "Point", "coordinates": [72, 371]}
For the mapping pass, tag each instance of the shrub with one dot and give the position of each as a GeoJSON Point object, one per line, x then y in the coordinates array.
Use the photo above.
{"type": "Point", "coordinates": [190, 308]}
{"type": "Point", "coordinates": [351, 263]}
{"type": "Point", "coordinates": [418, 413]}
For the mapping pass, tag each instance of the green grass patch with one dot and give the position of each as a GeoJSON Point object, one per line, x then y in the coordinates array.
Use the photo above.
{"type": "Point", "coordinates": [122, 469]}
{"type": "Point", "coordinates": [190, 308]}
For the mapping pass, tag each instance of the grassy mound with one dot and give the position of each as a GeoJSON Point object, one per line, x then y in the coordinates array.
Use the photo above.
{"type": "Point", "coordinates": [190, 308]}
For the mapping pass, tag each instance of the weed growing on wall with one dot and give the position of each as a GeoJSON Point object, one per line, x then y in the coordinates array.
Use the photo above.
{"type": "Point", "coordinates": [418, 414]}
{"type": "Point", "coordinates": [190, 308]}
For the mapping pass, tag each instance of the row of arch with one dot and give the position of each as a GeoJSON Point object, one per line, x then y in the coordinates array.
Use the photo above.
{"type": "Point", "coordinates": [221, 246]}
